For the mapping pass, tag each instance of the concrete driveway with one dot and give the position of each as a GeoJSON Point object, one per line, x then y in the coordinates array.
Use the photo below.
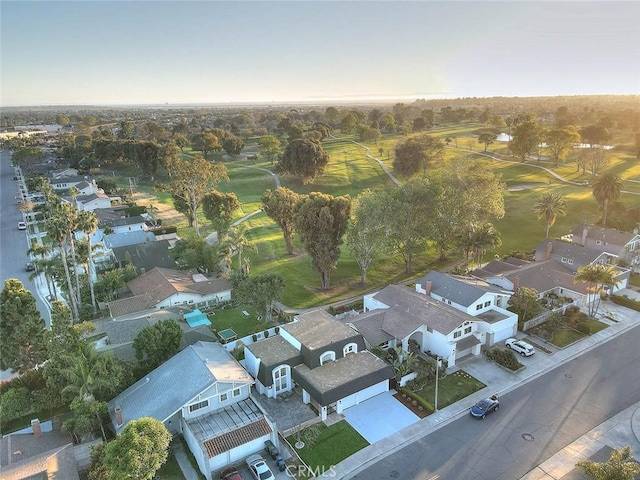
{"type": "Point", "coordinates": [368, 421]}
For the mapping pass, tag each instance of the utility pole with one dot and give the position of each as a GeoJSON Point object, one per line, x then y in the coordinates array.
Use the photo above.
{"type": "Point", "coordinates": [435, 405]}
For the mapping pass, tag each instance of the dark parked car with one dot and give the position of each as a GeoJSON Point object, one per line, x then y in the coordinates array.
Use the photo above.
{"type": "Point", "coordinates": [485, 406]}
{"type": "Point", "coordinates": [30, 267]}
{"type": "Point", "coordinates": [230, 473]}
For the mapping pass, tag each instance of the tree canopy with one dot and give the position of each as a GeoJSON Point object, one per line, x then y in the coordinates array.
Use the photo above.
{"type": "Point", "coordinates": [620, 466]}
{"type": "Point", "coordinates": [259, 291]}
{"type": "Point", "coordinates": [157, 343]}
{"type": "Point", "coordinates": [321, 221]}
{"type": "Point", "coordinates": [549, 206]}
{"type": "Point", "coordinates": [416, 154]}
{"type": "Point", "coordinates": [279, 205]}
{"type": "Point", "coordinates": [22, 330]}
{"type": "Point", "coordinates": [219, 208]}
{"type": "Point", "coordinates": [305, 158]}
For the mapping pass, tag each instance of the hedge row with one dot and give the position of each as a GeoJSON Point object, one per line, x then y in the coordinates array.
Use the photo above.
{"type": "Point", "coordinates": [626, 302]}
{"type": "Point", "coordinates": [421, 401]}
{"type": "Point", "coordinates": [506, 358]}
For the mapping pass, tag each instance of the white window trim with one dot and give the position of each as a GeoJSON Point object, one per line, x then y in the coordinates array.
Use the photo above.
{"type": "Point", "coordinates": [349, 348]}
{"type": "Point", "coordinates": [197, 406]}
{"type": "Point", "coordinates": [329, 353]}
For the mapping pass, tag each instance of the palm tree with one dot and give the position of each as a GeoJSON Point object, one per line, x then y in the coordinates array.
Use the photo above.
{"type": "Point", "coordinates": [236, 241]}
{"type": "Point", "coordinates": [549, 206]}
{"type": "Point", "coordinates": [606, 190]}
{"type": "Point", "coordinates": [42, 251]}
{"type": "Point", "coordinates": [620, 466]}
{"type": "Point", "coordinates": [88, 223]}
{"type": "Point", "coordinates": [597, 277]}
{"type": "Point", "coordinates": [85, 372]}
{"type": "Point", "coordinates": [57, 228]}
{"type": "Point", "coordinates": [483, 236]}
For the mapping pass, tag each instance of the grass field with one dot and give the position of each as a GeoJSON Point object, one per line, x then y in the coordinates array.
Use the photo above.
{"type": "Point", "coordinates": [349, 172]}
{"type": "Point", "coordinates": [454, 387]}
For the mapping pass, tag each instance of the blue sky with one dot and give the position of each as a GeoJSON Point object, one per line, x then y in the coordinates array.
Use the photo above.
{"type": "Point", "coordinates": [90, 52]}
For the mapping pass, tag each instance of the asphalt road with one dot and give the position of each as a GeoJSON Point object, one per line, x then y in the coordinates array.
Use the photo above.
{"type": "Point", "coordinates": [534, 422]}
{"type": "Point", "coordinates": [13, 242]}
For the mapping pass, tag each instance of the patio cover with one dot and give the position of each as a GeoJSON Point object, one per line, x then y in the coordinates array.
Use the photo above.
{"type": "Point", "coordinates": [197, 318]}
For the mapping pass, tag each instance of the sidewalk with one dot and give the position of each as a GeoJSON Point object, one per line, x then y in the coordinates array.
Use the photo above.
{"type": "Point", "coordinates": [621, 430]}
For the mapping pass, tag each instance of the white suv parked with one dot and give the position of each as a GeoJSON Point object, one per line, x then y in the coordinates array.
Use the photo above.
{"type": "Point", "coordinates": [518, 346]}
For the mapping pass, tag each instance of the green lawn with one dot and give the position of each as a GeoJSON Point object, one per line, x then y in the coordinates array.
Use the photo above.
{"type": "Point", "coordinates": [234, 318]}
{"type": "Point", "coordinates": [335, 443]}
{"type": "Point", "coordinates": [566, 336]}
{"type": "Point", "coordinates": [454, 387]}
{"type": "Point", "coordinates": [170, 470]}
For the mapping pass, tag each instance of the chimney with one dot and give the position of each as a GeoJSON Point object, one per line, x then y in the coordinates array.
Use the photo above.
{"type": "Point", "coordinates": [427, 288]}
{"type": "Point", "coordinates": [549, 248]}
{"type": "Point", "coordinates": [516, 284]}
{"type": "Point", "coordinates": [118, 416]}
{"type": "Point", "coordinates": [35, 427]}
{"type": "Point", "coordinates": [585, 232]}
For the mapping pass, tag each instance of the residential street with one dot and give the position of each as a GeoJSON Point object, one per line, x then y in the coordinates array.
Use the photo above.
{"type": "Point", "coordinates": [536, 420]}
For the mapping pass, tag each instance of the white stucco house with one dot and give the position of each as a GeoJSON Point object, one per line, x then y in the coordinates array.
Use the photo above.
{"type": "Point", "coordinates": [325, 357]}
{"type": "Point", "coordinates": [202, 393]}
{"type": "Point", "coordinates": [399, 316]}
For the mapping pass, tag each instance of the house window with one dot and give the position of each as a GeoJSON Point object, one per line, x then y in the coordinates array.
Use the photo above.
{"type": "Point", "coordinates": [467, 330]}
{"type": "Point", "coordinates": [349, 348]}
{"type": "Point", "coordinates": [479, 306]}
{"type": "Point", "coordinates": [486, 304]}
{"type": "Point", "coordinates": [327, 357]}
{"type": "Point", "coordinates": [457, 334]}
{"type": "Point", "coordinates": [385, 345]}
{"type": "Point", "coordinates": [236, 392]}
{"type": "Point", "coordinates": [224, 397]}
{"type": "Point", "coordinates": [281, 378]}
{"type": "Point", "coordinates": [198, 406]}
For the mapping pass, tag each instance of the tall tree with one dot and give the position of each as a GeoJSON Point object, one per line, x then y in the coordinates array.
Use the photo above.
{"type": "Point", "coordinates": [219, 209]}
{"type": "Point", "coordinates": [524, 302]}
{"type": "Point", "coordinates": [192, 179]}
{"type": "Point", "coordinates": [139, 451]}
{"type": "Point", "coordinates": [205, 142]}
{"type": "Point", "coordinates": [183, 207]}
{"type": "Point", "coordinates": [304, 158]}
{"type": "Point", "coordinates": [366, 231]}
{"type": "Point", "coordinates": [526, 138]}
{"type": "Point", "coordinates": [549, 206]}
{"type": "Point", "coordinates": [560, 141]}
{"type": "Point", "coordinates": [232, 144]}
{"type": "Point", "coordinates": [598, 278]}
{"type": "Point", "coordinates": [487, 138]}
{"type": "Point", "coordinates": [321, 221]}
{"type": "Point", "coordinates": [416, 154]}
{"type": "Point", "coordinates": [22, 329]}
{"type": "Point", "coordinates": [88, 223]}
{"type": "Point", "coordinates": [279, 205]}
{"type": "Point", "coordinates": [157, 343]}
{"type": "Point", "coordinates": [620, 466]}
{"type": "Point", "coordinates": [606, 190]}
{"type": "Point", "coordinates": [259, 291]}
{"type": "Point", "coordinates": [269, 145]}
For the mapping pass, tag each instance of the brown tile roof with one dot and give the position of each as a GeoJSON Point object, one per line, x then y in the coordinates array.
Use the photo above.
{"type": "Point", "coordinates": [235, 438]}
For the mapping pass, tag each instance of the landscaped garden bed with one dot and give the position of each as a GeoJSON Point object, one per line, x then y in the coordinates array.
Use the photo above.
{"type": "Point", "coordinates": [453, 387]}
{"type": "Point", "coordinates": [567, 329]}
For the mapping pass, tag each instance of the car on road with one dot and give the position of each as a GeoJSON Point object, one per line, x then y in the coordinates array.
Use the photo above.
{"type": "Point", "coordinates": [519, 346]}
{"type": "Point", "coordinates": [30, 267]}
{"type": "Point", "coordinates": [230, 473]}
{"type": "Point", "coordinates": [259, 468]}
{"type": "Point", "coordinates": [485, 406]}
{"type": "Point", "coordinates": [22, 226]}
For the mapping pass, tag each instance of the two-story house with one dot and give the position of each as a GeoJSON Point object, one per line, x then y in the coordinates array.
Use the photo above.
{"type": "Point", "coordinates": [325, 357]}
{"type": "Point", "coordinates": [399, 316]}
{"type": "Point", "coordinates": [202, 393]}
{"type": "Point", "coordinates": [625, 245]}
{"type": "Point", "coordinates": [572, 255]}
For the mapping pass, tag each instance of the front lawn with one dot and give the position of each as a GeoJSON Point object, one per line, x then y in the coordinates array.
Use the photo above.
{"type": "Point", "coordinates": [170, 470]}
{"type": "Point", "coordinates": [452, 388]}
{"type": "Point", "coordinates": [564, 336]}
{"type": "Point", "coordinates": [334, 444]}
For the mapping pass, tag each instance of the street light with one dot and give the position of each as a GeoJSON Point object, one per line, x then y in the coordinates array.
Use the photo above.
{"type": "Point", "coordinates": [435, 405]}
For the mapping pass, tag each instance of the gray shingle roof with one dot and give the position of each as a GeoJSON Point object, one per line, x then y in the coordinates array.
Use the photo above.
{"type": "Point", "coordinates": [317, 328]}
{"type": "Point", "coordinates": [452, 288]}
{"type": "Point", "coordinates": [333, 381]}
{"type": "Point", "coordinates": [580, 255]}
{"type": "Point", "coordinates": [273, 351]}
{"type": "Point", "coordinates": [369, 324]}
{"type": "Point", "coordinates": [176, 382]}
{"type": "Point", "coordinates": [146, 255]}
{"type": "Point", "coordinates": [608, 236]}
{"type": "Point", "coordinates": [408, 310]}
{"type": "Point", "coordinates": [115, 240]}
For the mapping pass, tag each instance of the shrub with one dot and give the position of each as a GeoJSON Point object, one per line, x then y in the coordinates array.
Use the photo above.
{"type": "Point", "coordinates": [626, 302]}
{"type": "Point", "coordinates": [419, 400]}
{"type": "Point", "coordinates": [506, 358]}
